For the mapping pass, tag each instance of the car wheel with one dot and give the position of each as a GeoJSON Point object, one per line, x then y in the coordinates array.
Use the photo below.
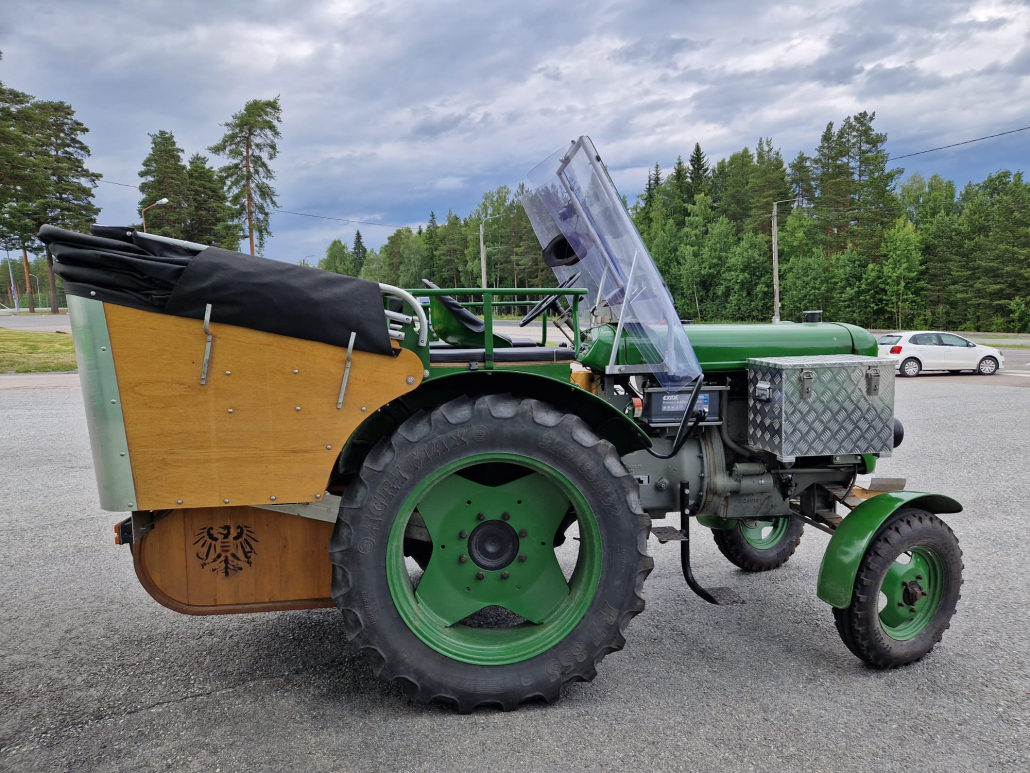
{"type": "Point", "coordinates": [910, 367]}
{"type": "Point", "coordinates": [988, 366]}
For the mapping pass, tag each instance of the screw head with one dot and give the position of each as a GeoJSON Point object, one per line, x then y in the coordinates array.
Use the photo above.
{"type": "Point", "coordinates": [425, 374]}
{"type": "Point", "coordinates": [901, 603]}
{"type": "Point", "coordinates": [226, 501]}
{"type": "Point", "coordinates": [911, 609]}
{"type": "Point", "coordinates": [271, 499]}
{"type": "Point", "coordinates": [410, 379]}
{"type": "Point", "coordinates": [228, 372]}
{"type": "Point", "coordinates": [328, 448]}
{"type": "Point", "coordinates": [480, 575]}
{"type": "Point", "coordinates": [505, 516]}
{"type": "Point", "coordinates": [505, 575]}
{"type": "Point", "coordinates": [523, 533]}
{"type": "Point", "coordinates": [121, 453]}
{"type": "Point", "coordinates": [481, 517]}
{"type": "Point", "coordinates": [462, 558]}
{"type": "Point", "coordinates": [92, 293]}
{"type": "Point", "coordinates": [919, 576]}
{"type": "Point", "coordinates": [178, 501]}
{"type": "Point", "coordinates": [522, 558]}
{"type": "Point", "coordinates": [295, 371]}
{"type": "Point", "coordinates": [318, 496]}
{"type": "Point", "coordinates": [230, 410]}
{"type": "Point", "coordinates": [103, 348]}
{"type": "Point", "coordinates": [297, 408]}
{"type": "Point", "coordinates": [462, 534]}
{"type": "Point", "coordinates": [113, 402]}
{"type": "Point", "coordinates": [363, 409]}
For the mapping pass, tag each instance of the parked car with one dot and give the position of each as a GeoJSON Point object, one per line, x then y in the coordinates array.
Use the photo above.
{"type": "Point", "coordinates": [921, 350]}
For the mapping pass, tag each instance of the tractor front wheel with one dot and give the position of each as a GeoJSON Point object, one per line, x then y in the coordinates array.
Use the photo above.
{"type": "Point", "coordinates": [505, 610]}
{"type": "Point", "coordinates": [905, 593]}
{"type": "Point", "coordinates": [758, 545]}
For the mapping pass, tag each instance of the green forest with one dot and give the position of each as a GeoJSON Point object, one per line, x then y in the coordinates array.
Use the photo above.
{"type": "Point", "coordinates": [856, 237]}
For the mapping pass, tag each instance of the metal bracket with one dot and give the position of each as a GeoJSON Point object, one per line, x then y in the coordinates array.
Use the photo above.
{"type": "Point", "coordinates": [807, 377]}
{"type": "Point", "coordinates": [872, 382]}
{"type": "Point", "coordinates": [207, 349]}
{"type": "Point", "coordinates": [346, 371]}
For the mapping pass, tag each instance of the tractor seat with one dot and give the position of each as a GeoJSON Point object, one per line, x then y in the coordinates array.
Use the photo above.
{"type": "Point", "coordinates": [457, 326]}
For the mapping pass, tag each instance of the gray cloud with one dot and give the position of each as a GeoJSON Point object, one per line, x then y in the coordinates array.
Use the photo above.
{"type": "Point", "coordinates": [392, 108]}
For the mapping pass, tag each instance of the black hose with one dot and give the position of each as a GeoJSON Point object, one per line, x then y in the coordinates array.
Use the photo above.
{"type": "Point", "coordinates": [683, 432]}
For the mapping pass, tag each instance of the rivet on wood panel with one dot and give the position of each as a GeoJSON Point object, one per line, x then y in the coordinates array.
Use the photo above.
{"type": "Point", "coordinates": [226, 501]}
{"type": "Point", "coordinates": [228, 372]}
{"type": "Point", "coordinates": [272, 499]}
{"type": "Point", "coordinates": [230, 410]}
{"type": "Point", "coordinates": [318, 496]}
{"type": "Point", "coordinates": [328, 448]}
{"type": "Point", "coordinates": [295, 371]}
{"type": "Point", "coordinates": [363, 409]}
{"type": "Point", "coordinates": [297, 408]}
{"type": "Point", "coordinates": [410, 379]}
{"type": "Point", "coordinates": [178, 501]}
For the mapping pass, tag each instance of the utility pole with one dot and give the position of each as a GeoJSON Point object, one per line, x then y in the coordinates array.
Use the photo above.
{"type": "Point", "coordinates": [482, 251]}
{"type": "Point", "coordinates": [776, 260]}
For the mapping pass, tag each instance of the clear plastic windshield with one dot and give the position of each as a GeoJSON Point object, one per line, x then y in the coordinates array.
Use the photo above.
{"type": "Point", "coordinates": [573, 196]}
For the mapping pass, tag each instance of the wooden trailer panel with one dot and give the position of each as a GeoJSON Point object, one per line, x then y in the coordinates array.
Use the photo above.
{"type": "Point", "coordinates": [222, 560]}
{"type": "Point", "coordinates": [263, 429]}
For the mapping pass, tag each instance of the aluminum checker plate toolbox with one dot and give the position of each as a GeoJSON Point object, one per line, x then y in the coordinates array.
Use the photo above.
{"type": "Point", "coordinates": [821, 405]}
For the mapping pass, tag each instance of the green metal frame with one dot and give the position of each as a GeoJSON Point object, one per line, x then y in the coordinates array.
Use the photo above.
{"type": "Point", "coordinates": [850, 541]}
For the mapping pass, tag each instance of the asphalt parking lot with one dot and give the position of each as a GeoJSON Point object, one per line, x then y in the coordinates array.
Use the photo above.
{"type": "Point", "coordinates": [97, 676]}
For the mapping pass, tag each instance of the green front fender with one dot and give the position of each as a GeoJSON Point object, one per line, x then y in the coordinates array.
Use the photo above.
{"type": "Point", "coordinates": [849, 542]}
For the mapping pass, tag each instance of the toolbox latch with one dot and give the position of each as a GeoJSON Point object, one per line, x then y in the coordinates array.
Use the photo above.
{"type": "Point", "coordinates": [807, 377]}
{"type": "Point", "coordinates": [763, 392]}
{"type": "Point", "coordinates": [872, 382]}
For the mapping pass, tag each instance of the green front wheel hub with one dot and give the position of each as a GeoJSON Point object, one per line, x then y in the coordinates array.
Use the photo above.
{"type": "Point", "coordinates": [493, 521]}
{"type": "Point", "coordinates": [764, 534]}
{"type": "Point", "coordinates": [913, 592]}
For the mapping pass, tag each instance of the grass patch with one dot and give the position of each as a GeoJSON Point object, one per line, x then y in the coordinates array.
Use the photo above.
{"type": "Point", "coordinates": [31, 352]}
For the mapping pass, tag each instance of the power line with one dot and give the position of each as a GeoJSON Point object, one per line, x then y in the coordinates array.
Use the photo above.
{"type": "Point", "coordinates": [956, 144]}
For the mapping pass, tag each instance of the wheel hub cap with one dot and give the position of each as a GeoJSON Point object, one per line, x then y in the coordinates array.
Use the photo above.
{"type": "Point", "coordinates": [493, 545]}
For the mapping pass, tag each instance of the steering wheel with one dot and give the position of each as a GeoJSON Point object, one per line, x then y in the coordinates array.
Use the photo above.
{"type": "Point", "coordinates": [549, 301]}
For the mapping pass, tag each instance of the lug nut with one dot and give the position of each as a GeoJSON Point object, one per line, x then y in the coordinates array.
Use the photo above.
{"type": "Point", "coordinates": [919, 576]}
{"type": "Point", "coordinates": [505, 575]}
{"type": "Point", "coordinates": [911, 609]}
{"type": "Point", "coordinates": [505, 516]}
{"type": "Point", "coordinates": [522, 557]}
{"type": "Point", "coordinates": [523, 533]}
{"type": "Point", "coordinates": [480, 575]}
{"type": "Point", "coordinates": [462, 559]}
{"type": "Point", "coordinates": [462, 534]}
{"type": "Point", "coordinates": [901, 603]}
{"type": "Point", "coordinates": [481, 517]}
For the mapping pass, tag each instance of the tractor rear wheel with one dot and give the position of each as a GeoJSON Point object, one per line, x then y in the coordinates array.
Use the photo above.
{"type": "Point", "coordinates": [500, 615]}
{"type": "Point", "coordinates": [905, 593]}
{"type": "Point", "coordinates": [761, 544]}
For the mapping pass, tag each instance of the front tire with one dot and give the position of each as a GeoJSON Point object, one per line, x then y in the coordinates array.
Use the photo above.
{"type": "Point", "coordinates": [910, 368]}
{"type": "Point", "coordinates": [493, 620]}
{"type": "Point", "coordinates": [905, 593]}
{"type": "Point", "coordinates": [988, 366]}
{"type": "Point", "coordinates": [760, 545]}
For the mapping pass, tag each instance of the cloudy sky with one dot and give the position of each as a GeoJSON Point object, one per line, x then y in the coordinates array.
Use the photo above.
{"type": "Point", "coordinates": [392, 108]}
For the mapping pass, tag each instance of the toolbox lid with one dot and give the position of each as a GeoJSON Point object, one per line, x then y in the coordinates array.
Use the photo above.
{"type": "Point", "coordinates": [820, 361]}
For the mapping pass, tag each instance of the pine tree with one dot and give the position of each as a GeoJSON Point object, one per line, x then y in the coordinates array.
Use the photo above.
{"type": "Point", "coordinates": [164, 177]}
{"type": "Point", "coordinates": [799, 175]}
{"type": "Point", "coordinates": [832, 181]}
{"type": "Point", "coordinates": [768, 183]}
{"type": "Point", "coordinates": [431, 240]}
{"type": "Point", "coordinates": [249, 143]}
{"type": "Point", "coordinates": [66, 198]}
{"type": "Point", "coordinates": [874, 204]}
{"type": "Point", "coordinates": [700, 174]}
{"type": "Point", "coordinates": [359, 253]}
{"type": "Point", "coordinates": [731, 188]}
{"type": "Point", "coordinates": [676, 193]}
{"type": "Point", "coordinates": [209, 218]}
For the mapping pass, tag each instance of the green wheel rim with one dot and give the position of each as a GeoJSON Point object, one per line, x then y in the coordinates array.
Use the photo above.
{"type": "Point", "coordinates": [534, 587]}
{"type": "Point", "coordinates": [764, 534]}
{"type": "Point", "coordinates": [910, 608]}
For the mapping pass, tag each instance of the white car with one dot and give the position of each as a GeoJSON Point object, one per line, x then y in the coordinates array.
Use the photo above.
{"type": "Point", "coordinates": [920, 350]}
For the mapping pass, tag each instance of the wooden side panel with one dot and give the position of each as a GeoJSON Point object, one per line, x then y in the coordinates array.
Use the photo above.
{"type": "Point", "coordinates": [209, 561]}
{"type": "Point", "coordinates": [264, 428]}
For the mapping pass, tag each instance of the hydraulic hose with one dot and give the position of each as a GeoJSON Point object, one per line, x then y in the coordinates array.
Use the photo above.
{"type": "Point", "coordinates": [686, 427]}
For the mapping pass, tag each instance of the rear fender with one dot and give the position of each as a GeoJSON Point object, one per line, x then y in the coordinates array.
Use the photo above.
{"type": "Point", "coordinates": [851, 539]}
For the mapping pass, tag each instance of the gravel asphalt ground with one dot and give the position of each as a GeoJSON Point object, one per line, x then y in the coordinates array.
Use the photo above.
{"type": "Point", "coordinates": [98, 677]}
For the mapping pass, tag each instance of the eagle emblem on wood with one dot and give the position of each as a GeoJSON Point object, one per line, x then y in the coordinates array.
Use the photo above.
{"type": "Point", "coordinates": [226, 548]}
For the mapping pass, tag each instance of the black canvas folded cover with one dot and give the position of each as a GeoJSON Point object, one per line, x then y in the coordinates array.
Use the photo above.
{"type": "Point", "coordinates": [119, 265]}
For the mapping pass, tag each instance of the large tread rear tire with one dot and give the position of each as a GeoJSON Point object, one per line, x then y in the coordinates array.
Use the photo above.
{"type": "Point", "coordinates": [429, 441]}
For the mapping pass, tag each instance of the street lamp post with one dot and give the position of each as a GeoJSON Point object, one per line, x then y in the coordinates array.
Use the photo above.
{"type": "Point", "coordinates": [143, 212]}
{"type": "Point", "coordinates": [39, 293]}
{"type": "Point", "coordinates": [776, 259]}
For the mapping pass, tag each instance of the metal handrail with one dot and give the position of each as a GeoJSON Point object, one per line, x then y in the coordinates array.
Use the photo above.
{"type": "Point", "coordinates": [404, 295]}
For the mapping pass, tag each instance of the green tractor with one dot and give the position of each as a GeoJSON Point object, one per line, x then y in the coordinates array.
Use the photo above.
{"type": "Point", "coordinates": [485, 500]}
